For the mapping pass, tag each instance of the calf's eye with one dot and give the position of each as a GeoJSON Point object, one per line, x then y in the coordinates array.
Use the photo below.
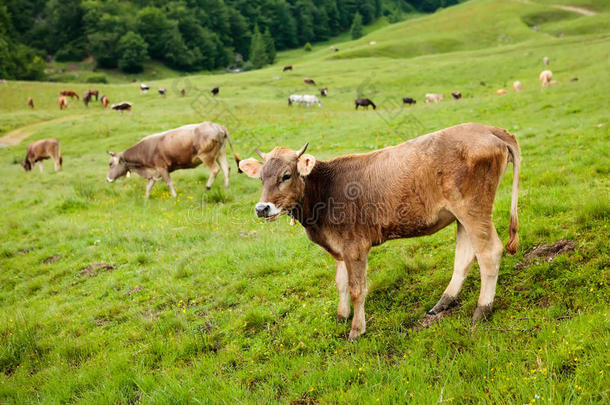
{"type": "Point", "coordinates": [286, 177]}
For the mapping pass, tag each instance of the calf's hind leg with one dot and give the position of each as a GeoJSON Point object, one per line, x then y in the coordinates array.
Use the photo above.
{"type": "Point", "coordinates": [214, 169]}
{"type": "Point", "coordinates": [464, 257]}
{"type": "Point", "coordinates": [149, 187]}
{"type": "Point", "coordinates": [168, 181]}
{"type": "Point", "coordinates": [224, 166]}
{"type": "Point", "coordinates": [341, 279]}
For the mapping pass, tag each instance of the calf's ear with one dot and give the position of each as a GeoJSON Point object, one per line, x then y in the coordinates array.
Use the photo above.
{"type": "Point", "coordinates": [251, 167]}
{"type": "Point", "coordinates": [305, 164]}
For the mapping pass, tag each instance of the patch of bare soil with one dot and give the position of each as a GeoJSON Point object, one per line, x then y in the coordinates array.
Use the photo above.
{"type": "Point", "coordinates": [428, 320]}
{"type": "Point", "coordinates": [93, 270]}
{"type": "Point", "coordinates": [546, 252]}
{"type": "Point", "coordinates": [51, 259]}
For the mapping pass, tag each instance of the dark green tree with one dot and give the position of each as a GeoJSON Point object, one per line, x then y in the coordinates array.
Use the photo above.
{"type": "Point", "coordinates": [258, 53]}
{"type": "Point", "coordinates": [356, 29]}
{"type": "Point", "coordinates": [153, 27]}
{"type": "Point", "coordinates": [133, 50]}
{"type": "Point", "coordinates": [269, 46]}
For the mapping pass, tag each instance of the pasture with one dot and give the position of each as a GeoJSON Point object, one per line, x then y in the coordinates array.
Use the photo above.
{"type": "Point", "coordinates": [109, 298]}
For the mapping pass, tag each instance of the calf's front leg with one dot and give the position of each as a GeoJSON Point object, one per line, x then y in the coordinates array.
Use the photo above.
{"type": "Point", "coordinates": [149, 187]}
{"type": "Point", "coordinates": [356, 271]}
{"type": "Point", "coordinates": [341, 278]}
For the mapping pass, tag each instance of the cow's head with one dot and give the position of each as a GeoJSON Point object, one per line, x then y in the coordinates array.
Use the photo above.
{"type": "Point", "coordinates": [26, 165]}
{"type": "Point", "coordinates": [117, 167]}
{"type": "Point", "coordinates": [282, 173]}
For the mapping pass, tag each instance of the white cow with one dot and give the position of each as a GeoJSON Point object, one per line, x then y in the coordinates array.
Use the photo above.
{"type": "Point", "coordinates": [307, 100]}
{"type": "Point", "coordinates": [433, 97]}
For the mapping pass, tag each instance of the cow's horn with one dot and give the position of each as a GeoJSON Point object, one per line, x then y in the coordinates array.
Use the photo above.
{"type": "Point", "coordinates": [259, 153]}
{"type": "Point", "coordinates": [303, 149]}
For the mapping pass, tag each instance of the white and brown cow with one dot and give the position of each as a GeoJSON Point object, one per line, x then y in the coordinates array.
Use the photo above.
{"type": "Point", "coordinates": [41, 150]}
{"type": "Point", "coordinates": [351, 203]}
{"type": "Point", "coordinates": [156, 156]}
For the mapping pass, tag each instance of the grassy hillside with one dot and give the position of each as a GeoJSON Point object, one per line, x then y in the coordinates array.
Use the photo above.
{"type": "Point", "coordinates": [107, 298]}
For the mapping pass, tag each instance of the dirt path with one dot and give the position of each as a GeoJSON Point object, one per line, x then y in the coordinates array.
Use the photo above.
{"type": "Point", "coordinates": [14, 137]}
{"type": "Point", "coordinates": [578, 10]}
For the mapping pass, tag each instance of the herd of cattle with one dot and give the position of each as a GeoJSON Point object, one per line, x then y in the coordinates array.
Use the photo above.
{"type": "Point", "coordinates": [351, 203]}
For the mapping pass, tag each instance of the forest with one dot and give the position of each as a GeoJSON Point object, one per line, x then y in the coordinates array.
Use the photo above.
{"type": "Point", "coordinates": [187, 35]}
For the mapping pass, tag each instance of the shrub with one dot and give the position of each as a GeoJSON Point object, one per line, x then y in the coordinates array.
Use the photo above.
{"type": "Point", "coordinates": [97, 79]}
{"type": "Point", "coordinates": [307, 47]}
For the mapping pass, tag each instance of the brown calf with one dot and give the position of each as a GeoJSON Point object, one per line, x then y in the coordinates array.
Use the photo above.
{"type": "Point", "coordinates": [62, 102]}
{"type": "Point", "coordinates": [308, 80]}
{"type": "Point", "coordinates": [69, 93]}
{"type": "Point", "coordinates": [351, 203]}
{"type": "Point", "coordinates": [31, 102]}
{"type": "Point", "coordinates": [41, 150]}
{"type": "Point", "coordinates": [287, 67]}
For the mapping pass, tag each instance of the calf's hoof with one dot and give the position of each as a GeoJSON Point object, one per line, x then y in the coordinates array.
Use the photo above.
{"type": "Point", "coordinates": [207, 188]}
{"type": "Point", "coordinates": [444, 303]}
{"type": "Point", "coordinates": [481, 313]}
{"type": "Point", "coordinates": [354, 334]}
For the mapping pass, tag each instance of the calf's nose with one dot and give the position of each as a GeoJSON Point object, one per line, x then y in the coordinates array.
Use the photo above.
{"type": "Point", "coordinates": [262, 210]}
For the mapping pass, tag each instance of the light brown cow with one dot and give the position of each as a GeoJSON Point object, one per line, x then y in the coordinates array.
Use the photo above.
{"type": "Point", "coordinates": [433, 97]}
{"type": "Point", "coordinates": [31, 102]}
{"type": "Point", "coordinates": [156, 156]}
{"type": "Point", "coordinates": [501, 92]}
{"type": "Point", "coordinates": [62, 102]}
{"type": "Point", "coordinates": [545, 77]}
{"type": "Point", "coordinates": [351, 203]}
{"type": "Point", "coordinates": [517, 86]}
{"type": "Point", "coordinates": [41, 150]}
{"type": "Point", "coordinates": [309, 80]}
{"type": "Point", "coordinates": [69, 93]}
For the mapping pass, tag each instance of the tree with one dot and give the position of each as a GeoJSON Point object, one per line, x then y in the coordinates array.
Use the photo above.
{"type": "Point", "coordinates": [258, 54]}
{"type": "Point", "coordinates": [356, 30]}
{"type": "Point", "coordinates": [153, 27]}
{"type": "Point", "coordinates": [133, 50]}
{"type": "Point", "coordinates": [269, 46]}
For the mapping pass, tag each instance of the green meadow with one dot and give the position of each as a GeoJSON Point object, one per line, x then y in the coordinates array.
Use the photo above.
{"type": "Point", "coordinates": [106, 297]}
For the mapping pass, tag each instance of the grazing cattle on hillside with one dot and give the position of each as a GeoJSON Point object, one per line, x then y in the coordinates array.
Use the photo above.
{"type": "Point", "coordinates": [456, 95]}
{"type": "Point", "coordinates": [104, 101]}
{"type": "Point", "coordinates": [62, 101]}
{"type": "Point", "coordinates": [162, 92]}
{"type": "Point", "coordinates": [546, 77]}
{"type": "Point", "coordinates": [41, 150]}
{"type": "Point", "coordinates": [546, 60]}
{"type": "Point", "coordinates": [517, 86]}
{"type": "Point", "coordinates": [309, 80]}
{"type": "Point", "coordinates": [433, 98]}
{"type": "Point", "coordinates": [31, 102]}
{"type": "Point", "coordinates": [501, 92]}
{"type": "Point", "coordinates": [215, 91]}
{"type": "Point", "coordinates": [122, 106]}
{"type": "Point", "coordinates": [156, 156]}
{"type": "Point", "coordinates": [287, 67]}
{"type": "Point", "coordinates": [324, 91]}
{"type": "Point", "coordinates": [144, 88]}
{"type": "Point", "coordinates": [408, 100]}
{"type": "Point", "coordinates": [69, 93]}
{"type": "Point", "coordinates": [364, 102]}
{"type": "Point", "coordinates": [351, 203]}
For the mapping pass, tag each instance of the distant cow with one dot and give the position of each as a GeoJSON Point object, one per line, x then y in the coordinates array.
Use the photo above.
{"type": "Point", "coordinates": [144, 88]}
{"type": "Point", "coordinates": [162, 92]}
{"type": "Point", "coordinates": [517, 86]}
{"type": "Point", "coordinates": [86, 98]}
{"type": "Point", "coordinates": [364, 102]}
{"type": "Point", "coordinates": [546, 76]}
{"type": "Point", "coordinates": [69, 93]}
{"type": "Point", "coordinates": [324, 91]}
{"type": "Point", "coordinates": [62, 101]}
{"type": "Point", "coordinates": [31, 102]}
{"type": "Point", "coordinates": [94, 92]}
{"type": "Point", "coordinates": [104, 101]}
{"type": "Point", "coordinates": [433, 98]}
{"type": "Point", "coordinates": [307, 100]}
{"type": "Point", "coordinates": [183, 92]}
{"type": "Point", "coordinates": [309, 80]}
{"type": "Point", "coordinates": [408, 100]}
{"type": "Point", "coordinates": [574, 79]}
{"type": "Point", "coordinates": [545, 60]}
{"type": "Point", "coordinates": [501, 92]}
{"type": "Point", "coordinates": [156, 156]}
{"type": "Point", "coordinates": [41, 150]}
{"type": "Point", "coordinates": [287, 67]}
{"type": "Point", "coordinates": [456, 95]}
{"type": "Point", "coordinates": [122, 106]}
{"type": "Point", "coordinates": [215, 91]}
{"type": "Point", "coordinates": [351, 203]}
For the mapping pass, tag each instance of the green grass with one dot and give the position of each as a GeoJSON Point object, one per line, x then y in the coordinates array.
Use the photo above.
{"type": "Point", "coordinates": [207, 304]}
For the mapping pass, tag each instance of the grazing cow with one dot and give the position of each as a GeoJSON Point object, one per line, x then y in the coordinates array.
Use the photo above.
{"type": "Point", "coordinates": [517, 86]}
{"type": "Point", "coordinates": [373, 43]}
{"type": "Point", "coordinates": [456, 95]}
{"type": "Point", "coordinates": [69, 93]}
{"type": "Point", "coordinates": [351, 203]}
{"type": "Point", "coordinates": [574, 79]}
{"type": "Point", "coordinates": [104, 101]}
{"type": "Point", "coordinates": [162, 92]}
{"type": "Point", "coordinates": [307, 100]}
{"type": "Point", "coordinates": [545, 77]}
{"type": "Point", "coordinates": [501, 92]}
{"type": "Point", "coordinates": [545, 60]}
{"type": "Point", "coordinates": [86, 98]}
{"type": "Point", "coordinates": [215, 91]}
{"type": "Point", "coordinates": [41, 150]}
{"type": "Point", "coordinates": [156, 156]}
{"type": "Point", "coordinates": [63, 102]}
{"type": "Point", "coordinates": [309, 80]}
{"type": "Point", "coordinates": [183, 92]}
{"type": "Point", "coordinates": [144, 88]}
{"type": "Point", "coordinates": [364, 102]}
{"type": "Point", "coordinates": [122, 106]}
{"type": "Point", "coordinates": [433, 97]}
{"type": "Point", "coordinates": [287, 67]}
{"type": "Point", "coordinates": [31, 102]}
{"type": "Point", "coordinates": [324, 91]}
{"type": "Point", "coordinates": [408, 100]}
{"type": "Point", "coordinates": [94, 92]}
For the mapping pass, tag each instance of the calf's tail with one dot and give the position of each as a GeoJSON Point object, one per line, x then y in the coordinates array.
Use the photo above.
{"type": "Point", "coordinates": [237, 159]}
